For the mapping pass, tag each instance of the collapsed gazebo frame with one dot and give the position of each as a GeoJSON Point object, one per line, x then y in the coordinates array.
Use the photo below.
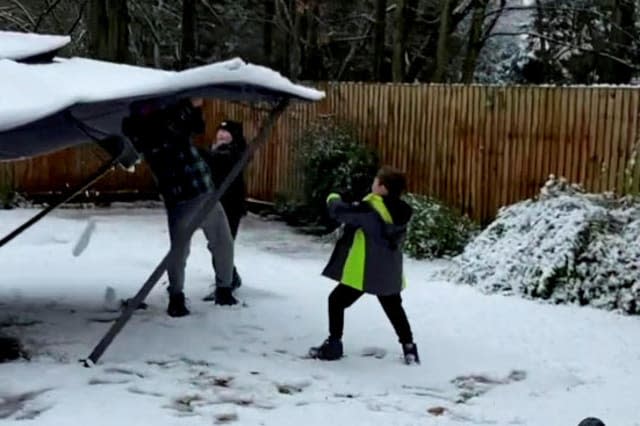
{"type": "Point", "coordinates": [260, 139]}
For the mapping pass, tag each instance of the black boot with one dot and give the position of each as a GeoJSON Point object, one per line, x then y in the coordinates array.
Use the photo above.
{"type": "Point", "coordinates": [236, 282]}
{"type": "Point", "coordinates": [177, 307]}
{"type": "Point", "coordinates": [410, 351]}
{"type": "Point", "coordinates": [224, 297]}
{"type": "Point", "coordinates": [330, 350]}
{"type": "Point", "coordinates": [10, 349]}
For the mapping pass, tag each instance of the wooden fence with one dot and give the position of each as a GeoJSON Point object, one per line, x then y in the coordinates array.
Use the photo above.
{"type": "Point", "coordinates": [475, 147]}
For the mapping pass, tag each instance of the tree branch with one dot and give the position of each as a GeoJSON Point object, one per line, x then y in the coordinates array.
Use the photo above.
{"type": "Point", "coordinates": [285, 9]}
{"type": "Point", "coordinates": [24, 10]}
{"type": "Point", "coordinates": [591, 11]}
{"type": "Point", "coordinates": [45, 14]}
{"type": "Point", "coordinates": [354, 48]}
{"type": "Point", "coordinates": [494, 20]}
{"type": "Point", "coordinates": [79, 18]}
{"type": "Point", "coordinates": [212, 11]}
{"type": "Point", "coordinates": [563, 43]}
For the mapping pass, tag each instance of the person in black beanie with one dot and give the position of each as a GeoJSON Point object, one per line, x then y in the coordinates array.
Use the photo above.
{"type": "Point", "coordinates": [224, 153]}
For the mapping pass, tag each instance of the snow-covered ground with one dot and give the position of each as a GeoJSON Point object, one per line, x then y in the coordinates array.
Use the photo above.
{"type": "Point", "coordinates": [511, 361]}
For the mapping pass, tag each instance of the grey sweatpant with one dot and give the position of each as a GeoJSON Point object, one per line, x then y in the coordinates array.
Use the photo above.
{"type": "Point", "coordinates": [216, 230]}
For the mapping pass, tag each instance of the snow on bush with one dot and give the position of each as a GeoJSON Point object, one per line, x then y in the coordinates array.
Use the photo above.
{"type": "Point", "coordinates": [565, 246]}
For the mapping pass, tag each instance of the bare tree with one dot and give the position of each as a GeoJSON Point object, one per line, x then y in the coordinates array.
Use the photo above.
{"type": "Point", "coordinates": [380, 38]}
{"type": "Point", "coordinates": [399, 46]}
{"type": "Point", "coordinates": [189, 30]}
{"type": "Point", "coordinates": [442, 55]}
{"type": "Point", "coordinates": [267, 40]}
{"type": "Point", "coordinates": [108, 27]}
{"type": "Point", "coordinates": [480, 29]}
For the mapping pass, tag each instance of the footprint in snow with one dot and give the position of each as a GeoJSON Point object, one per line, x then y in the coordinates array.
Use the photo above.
{"type": "Point", "coordinates": [104, 381]}
{"type": "Point", "coordinates": [124, 371]}
{"type": "Point", "coordinates": [226, 417]}
{"type": "Point", "coordinates": [475, 385]}
{"type": "Point", "coordinates": [292, 387]}
{"type": "Point", "coordinates": [374, 352]}
{"type": "Point", "coordinates": [11, 405]}
{"type": "Point", "coordinates": [140, 391]}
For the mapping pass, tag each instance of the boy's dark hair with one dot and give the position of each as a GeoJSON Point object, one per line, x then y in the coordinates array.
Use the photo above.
{"type": "Point", "coordinates": [393, 179]}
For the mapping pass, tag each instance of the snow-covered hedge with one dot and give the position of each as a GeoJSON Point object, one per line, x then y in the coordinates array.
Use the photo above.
{"type": "Point", "coordinates": [566, 246]}
{"type": "Point", "coordinates": [435, 230]}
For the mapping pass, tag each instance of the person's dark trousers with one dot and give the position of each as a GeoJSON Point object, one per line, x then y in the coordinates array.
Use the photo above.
{"type": "Point", "coordinates": [344, 296]}
{"type": "Point", "coordinates": [234, 223]}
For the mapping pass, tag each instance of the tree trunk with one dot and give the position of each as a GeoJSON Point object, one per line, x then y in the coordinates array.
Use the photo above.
{"type": "Point", "coordinates": [475, 42]}
{"type": "Point", "coordinates": [399, 47]}
{"type": "Point", "coordinates": [379, 41]}
{"type": "Point", "coordinates": [295, 58]}
{"type": "Point", "coordinates": [267, 35]}
{"type": "Point", "coordinates": [108, 28]}
{"type": "Point", "coordinates": [442, 54]}
{"type": "Point", "coordinates": [621, 39]}
{"type": "Point", "coordinates": [189, 43]}
{"type": "Point", "coordinates": [313, 59]}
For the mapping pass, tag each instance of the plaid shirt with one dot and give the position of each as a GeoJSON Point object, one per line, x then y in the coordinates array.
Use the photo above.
{"type": "Point", "coordinates": [178, 168]}
{"type": "Point", "coordinates": [180, 172]}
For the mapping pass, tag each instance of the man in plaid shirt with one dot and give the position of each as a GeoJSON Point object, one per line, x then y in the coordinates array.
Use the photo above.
{"type": "Point", "coordinates": [163, 137]}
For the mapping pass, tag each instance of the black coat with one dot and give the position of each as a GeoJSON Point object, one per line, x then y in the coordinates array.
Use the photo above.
{"type": "Point", "coordinates": [221, 161]}
{"type": "Point", "coordinates": [368, 256]}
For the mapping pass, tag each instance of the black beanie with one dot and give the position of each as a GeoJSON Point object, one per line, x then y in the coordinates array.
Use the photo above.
{"type": "Point", "coordinates": [234, 128]}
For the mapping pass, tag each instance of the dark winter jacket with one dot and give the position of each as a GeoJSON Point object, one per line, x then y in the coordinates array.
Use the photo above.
{"type": "Point", "coordinates": [163, 137]}
{"type": "Point", "coordinates": [221, 161]}
{"type": "Point", "coordinates": [368, 256]}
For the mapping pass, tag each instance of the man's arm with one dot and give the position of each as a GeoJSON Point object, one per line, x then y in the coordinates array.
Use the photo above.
{"type": "Point", "coordinates": [121, 149]}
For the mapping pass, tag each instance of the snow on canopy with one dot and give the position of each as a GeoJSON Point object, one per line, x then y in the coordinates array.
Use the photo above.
{"type": "Point", "coordinates": [32, 92]}
{"type": "Point", "coordinates": [19, 46]}
{"type": "Point", "coordinates": [50, 106]}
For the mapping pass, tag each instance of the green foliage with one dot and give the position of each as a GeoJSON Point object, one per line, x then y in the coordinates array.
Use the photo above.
{"type": "Point", "coordinates": [436, 230]}
{"type": "Point", "coordinates": [8, 197]}
{"type": "Point", "coordinates": [331, 159]}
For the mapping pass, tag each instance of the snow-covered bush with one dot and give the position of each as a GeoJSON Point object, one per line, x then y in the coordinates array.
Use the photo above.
{"type": "Point", "coordinates": [10, 199]}
{"type": "Point", "coordinates": [565, 246]}
{"type": "Point", "coordinates": [330, 158]}
{"type": "Point", "coordinates": [435, 230]}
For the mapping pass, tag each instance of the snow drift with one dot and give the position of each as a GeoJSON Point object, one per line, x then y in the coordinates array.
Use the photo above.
{"type": "Point", "coordinates": [565, 246]}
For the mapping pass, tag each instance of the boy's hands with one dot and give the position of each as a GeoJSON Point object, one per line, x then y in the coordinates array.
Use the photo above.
{"type": "Point", "coordinates": [333, 196]}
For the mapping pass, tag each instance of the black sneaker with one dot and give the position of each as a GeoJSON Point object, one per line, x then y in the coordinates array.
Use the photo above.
{"type": "Point", "coordinates": [177, 307]}
{"type": "Point", "coordinates": [410, 351]}
{"type": "Point", "coordinates": [224, 297]}
{"type": "Point", "coordinates": [330, 350]}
